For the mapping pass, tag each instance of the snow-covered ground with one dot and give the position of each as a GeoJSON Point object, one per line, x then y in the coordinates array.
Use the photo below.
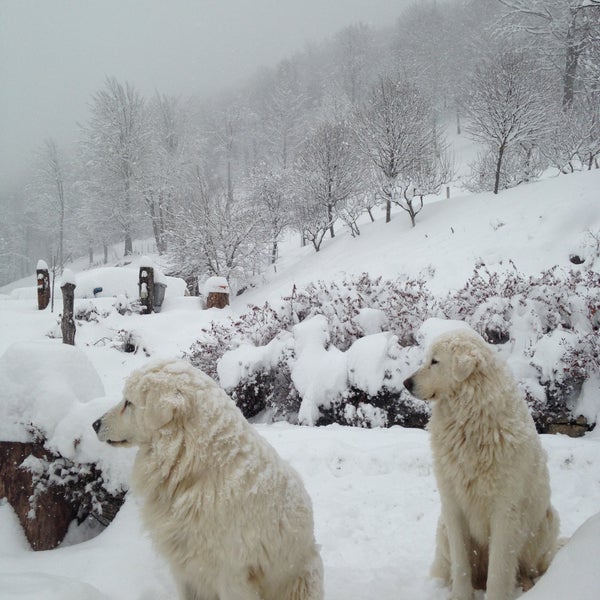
{"type": "Point", "coordinates": [374, 493]}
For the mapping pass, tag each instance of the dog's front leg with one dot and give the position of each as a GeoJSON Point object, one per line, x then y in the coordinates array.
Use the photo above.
{"type": "Point", "coordinates": [503, 557]}
{"type": "Point", "coordinates": [460, 548]}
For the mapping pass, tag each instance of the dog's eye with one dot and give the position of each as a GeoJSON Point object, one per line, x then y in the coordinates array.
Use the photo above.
{"type": "Point", "coordinates": [127, 404]}
{"type": "Point", "coordinates": [434, 361]}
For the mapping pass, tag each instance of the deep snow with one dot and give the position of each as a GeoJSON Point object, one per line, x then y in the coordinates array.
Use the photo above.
{"type": "Point", "coordinates": [374, 494]}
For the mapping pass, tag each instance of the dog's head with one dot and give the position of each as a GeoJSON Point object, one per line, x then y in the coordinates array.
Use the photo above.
{"type": "Point", "coordinates": [153, 397]}
{"type": "Point", "coordinates": [452, 358]}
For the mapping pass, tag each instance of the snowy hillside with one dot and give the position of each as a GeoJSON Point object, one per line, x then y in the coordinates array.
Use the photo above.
{"type": "Point", "coordinates": [373, 490]}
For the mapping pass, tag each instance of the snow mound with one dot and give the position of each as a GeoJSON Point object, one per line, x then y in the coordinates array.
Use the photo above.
{"type": "Point", "coordinates": [40, 382]}
{"type": "Point", "coordinates": [33, 586]}
{"type": "Point", "coordinates": [578, 559]}
{"type": "Point", "coordinates": [53, 390]}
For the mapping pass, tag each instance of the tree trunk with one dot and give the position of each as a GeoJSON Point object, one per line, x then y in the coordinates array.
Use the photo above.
{"type": "Point", "coordinates": [68, 323]}
{"type": "Point", "coordinates": [498, 169]}
{"type": "Point", "coordinates": [388, 210]}
{"type": "Point", "coordinates": [217, 300]}
{"type": "Point", "coordinates": [274, 253]}
{"type": "Point", "coordinates": [571, 63]}
{"type": "Point", "coordinates": [330, 217]}
{"type": "Point", "coordinates": [128, 250]}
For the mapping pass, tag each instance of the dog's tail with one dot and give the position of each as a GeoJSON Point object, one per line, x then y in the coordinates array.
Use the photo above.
{"type": "Point", "coordinates": [309, 585]}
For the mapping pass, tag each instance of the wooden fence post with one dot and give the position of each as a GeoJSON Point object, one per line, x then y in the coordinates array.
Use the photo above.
{"type": "Point", "coordinates": [43, 285]}
{"type": "Point", "coordinates": [67, 324]}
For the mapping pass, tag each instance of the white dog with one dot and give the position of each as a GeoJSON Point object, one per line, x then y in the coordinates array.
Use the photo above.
{"type": "Point", "coordinates": [497, 524]}
{"type": "Point", "coordinates": [232, 518]}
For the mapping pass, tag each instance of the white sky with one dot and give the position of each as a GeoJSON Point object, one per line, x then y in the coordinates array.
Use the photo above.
{"type": "Point", "coordinates": [55, 53]}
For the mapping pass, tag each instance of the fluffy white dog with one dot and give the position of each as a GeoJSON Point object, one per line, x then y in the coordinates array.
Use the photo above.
{"type": "Point", "coordinates": [232, 518]}
{"type": "Point", "coordinates": [497, 525]}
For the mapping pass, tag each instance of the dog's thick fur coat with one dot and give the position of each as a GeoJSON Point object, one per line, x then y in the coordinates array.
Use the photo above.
{"type": "Point", "coordinates": [232, 518]}
{"type": "Point", "coordinates": [497, 525]}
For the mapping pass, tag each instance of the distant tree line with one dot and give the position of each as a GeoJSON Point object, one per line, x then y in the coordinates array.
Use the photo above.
{"type": "Point", "coordinates": [336, 132]}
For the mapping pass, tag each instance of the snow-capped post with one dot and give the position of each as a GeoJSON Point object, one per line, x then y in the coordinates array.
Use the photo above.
{"type": "Point", "coordinates": [216, 291]}
{"type": "Point", "coordinates": [43, 284]}
{"type": "Point", "coordinates": [146, 289]}
{"type": "Point", "coordinates": [67, 324]}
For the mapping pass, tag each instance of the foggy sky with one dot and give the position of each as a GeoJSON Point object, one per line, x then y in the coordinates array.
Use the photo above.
{"type": "Point", "coordinates": [55, 53]}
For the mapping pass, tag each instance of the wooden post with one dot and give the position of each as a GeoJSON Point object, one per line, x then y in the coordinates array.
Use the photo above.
{"type": "Point", "coordinates": [43, 285]}
{"type": "Point", "coordinates": [146, 289]}
{"type": "Point", "coordinates": [67, 324]}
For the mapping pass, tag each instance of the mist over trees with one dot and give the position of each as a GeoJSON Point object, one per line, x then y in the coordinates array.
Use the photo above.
{"type": "Point", "coordinates": [356, 125]}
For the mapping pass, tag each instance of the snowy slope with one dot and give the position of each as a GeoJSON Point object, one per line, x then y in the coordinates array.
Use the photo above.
{"type": "Point", "coordinates": [374, 494]}
{"type": "Point", "coordinates": [536, 226]}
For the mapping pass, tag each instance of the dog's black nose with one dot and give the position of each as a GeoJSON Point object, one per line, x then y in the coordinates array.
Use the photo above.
{"type": "Point", "coordinates": [409, 384]}
{"type": "Point", "coordinates": [96, 425]}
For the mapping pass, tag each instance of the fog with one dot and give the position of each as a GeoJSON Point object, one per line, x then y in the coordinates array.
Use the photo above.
{"type": "Point", "coordinates": [55, 53]}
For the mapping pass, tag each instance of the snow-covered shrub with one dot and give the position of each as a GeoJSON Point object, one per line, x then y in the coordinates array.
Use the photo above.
{"type": "Point", "coordinates": [547, 319]}
{"type": "Point", "coordinates": [89, 312]}
{"type": "Point", "coordinates": [348, 363]}
{"type": "Point", "coordinates": [305, 378]}
{"type": "Point", "coordinates": [405, 302]}
{"type": "Point", "coordinates": [81, 485]}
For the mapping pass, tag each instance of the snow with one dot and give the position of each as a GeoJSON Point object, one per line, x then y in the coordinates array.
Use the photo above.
{"type": "Point", "coordinates": [367, 361]}
{"type": "Point", "coordinates": [319, 373]}
{"type": "Point", "coordinates": [371, 320]}
{"type": "Point", "coordinates": [217, 285]}
{"type": "Point", "coordinates": [68, 277]}
{"type": "Point", "coordinates": [374, 494]}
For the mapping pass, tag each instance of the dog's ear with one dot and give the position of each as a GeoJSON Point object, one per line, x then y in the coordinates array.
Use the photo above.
{"type": "Point", "coordinates": [162, 410]}
{"type": "Point", "coordinates": [464, 362]}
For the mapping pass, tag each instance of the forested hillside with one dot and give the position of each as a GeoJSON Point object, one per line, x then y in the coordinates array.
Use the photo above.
{"type": "Point", "coordinates": [321, 141]}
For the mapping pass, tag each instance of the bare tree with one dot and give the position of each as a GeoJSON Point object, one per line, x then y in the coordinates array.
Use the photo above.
{"type": "Point", "coordinates": [327, 171]}
{"type": "Point", "coordinates": [573, 141]}
{"type": "Point", "coordinates": [506, 105]}
{"type": "Point", "coordinates": [214, 234]}
{"type": "Point", "coordinates": [426, 175]}
{"type": "Point", "coordinates": [162, 173]}
{"type": "Point", "coordinates": [50, 187]}
{"type": "Point", "coordinates": [270, 194]}
{"type": "Point", "coordinates": [282, 114]}
{"type": "Point", "coordinates": [570, 30]}
{"type": "Point", "coordinates": [115, 144]}
{"type": "Point", "coordinates": [394, 129]}
{"type": "Point", "coordinates": [354, 51]}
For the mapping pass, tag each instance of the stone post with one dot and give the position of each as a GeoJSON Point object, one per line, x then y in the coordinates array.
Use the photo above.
{"type": "Point", "coordinates": [146, 289]}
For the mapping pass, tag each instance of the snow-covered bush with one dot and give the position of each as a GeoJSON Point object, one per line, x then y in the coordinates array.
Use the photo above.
{"type": "Point", "coordinates": [268, 360]}
{"type": "Point", "coordinates": [338, 351]}
{"type": "Point", "coordinates": [49, 395]}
